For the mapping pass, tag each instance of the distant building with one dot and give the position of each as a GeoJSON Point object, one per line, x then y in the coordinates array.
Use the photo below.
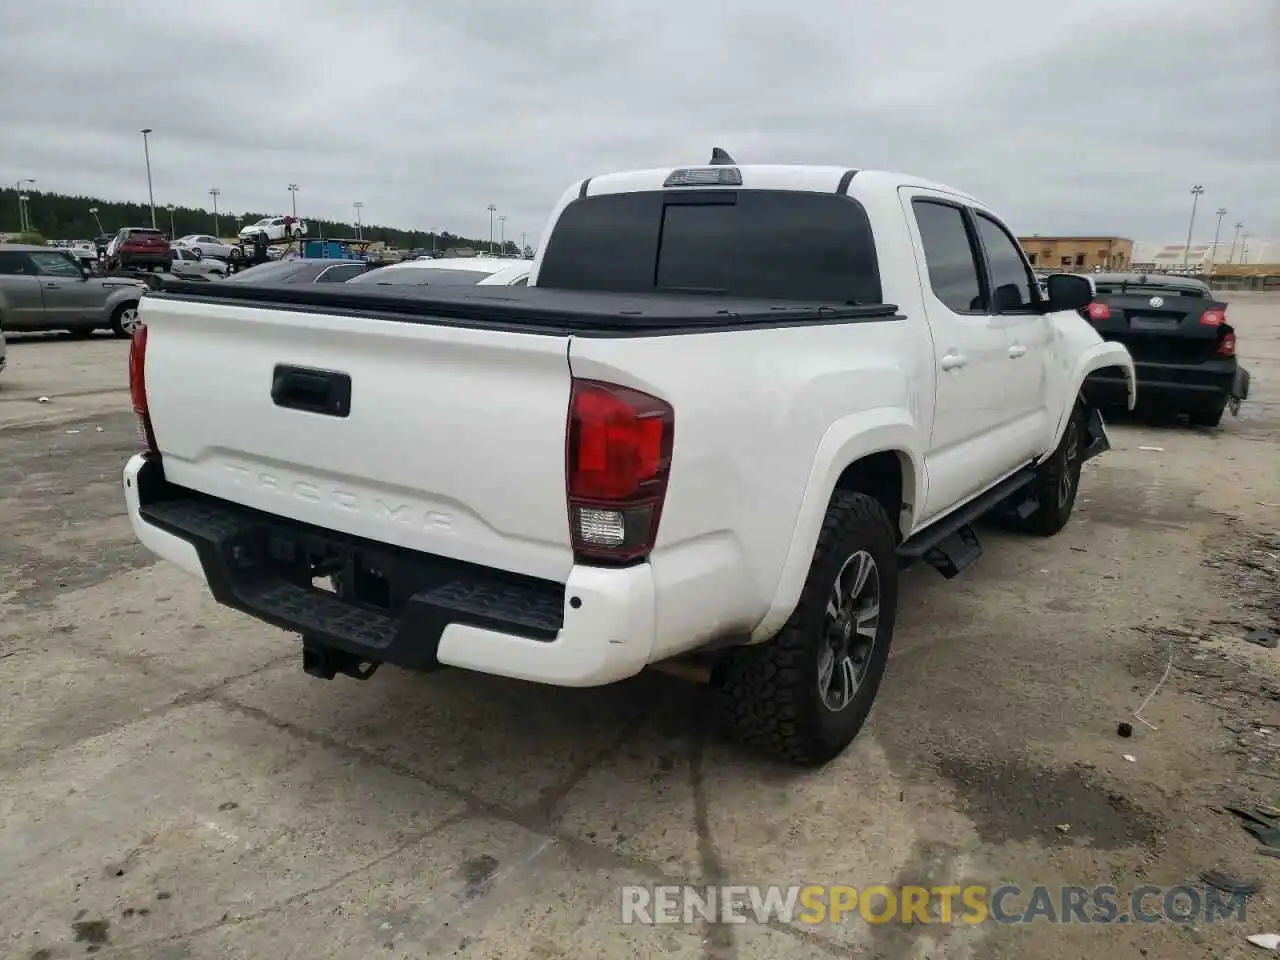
{"type": "Point", "coordinates": [1204, 257]}
{"type": "Point", "coordinates": [1078, 254]}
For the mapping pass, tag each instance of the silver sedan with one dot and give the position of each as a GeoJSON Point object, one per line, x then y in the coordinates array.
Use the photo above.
{"type": "Point", "coordinates": [205, 245]}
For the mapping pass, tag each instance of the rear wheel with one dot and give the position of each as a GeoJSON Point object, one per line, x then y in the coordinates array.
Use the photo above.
{"type": "Point", "coordinates": [125, 320]}
{"type": "Point", "coordinates": [1058, 480]}
{"type": "Point", "coordinates": [805, 694]}
{"type": "Point", "coordinates": [196, 253]}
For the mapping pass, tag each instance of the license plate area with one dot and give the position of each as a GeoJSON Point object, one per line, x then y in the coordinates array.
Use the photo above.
{"type": "Point", "coordinates": [1158, 322]}
{"type": "Point", "coordinates": [338, 569]}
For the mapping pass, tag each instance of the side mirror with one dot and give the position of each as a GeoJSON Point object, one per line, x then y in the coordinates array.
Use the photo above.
{"type": "Point", "coordinates": [1068, 291]}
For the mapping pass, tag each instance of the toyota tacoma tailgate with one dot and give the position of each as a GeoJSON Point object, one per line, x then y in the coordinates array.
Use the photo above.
{"type": "Point", "coordinates": [440, 439]}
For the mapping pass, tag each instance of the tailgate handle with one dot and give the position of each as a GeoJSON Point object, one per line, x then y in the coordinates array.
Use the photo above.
{"type": "Point", "coordinates": [326, 392]}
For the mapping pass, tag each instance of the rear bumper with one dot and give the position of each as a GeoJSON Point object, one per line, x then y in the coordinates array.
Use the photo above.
{"type": "Point", "coordinates": [1194, 386]}
{"type": "Point", "coordinates": [596, 628]}
{"type": "Point", "coordinates": [145, 257]}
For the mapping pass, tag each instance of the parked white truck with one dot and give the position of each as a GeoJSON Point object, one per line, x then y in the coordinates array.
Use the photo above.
{"type": "Point", "coordinates": [731, 404]}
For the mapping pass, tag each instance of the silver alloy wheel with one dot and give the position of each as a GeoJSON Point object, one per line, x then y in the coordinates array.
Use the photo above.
{"type": "Point", "coordinates": [1069, 466]}
{"type": "Point", "coordinates": [849, 631]}
{"type": "Point", "coordinates": [129, 320]}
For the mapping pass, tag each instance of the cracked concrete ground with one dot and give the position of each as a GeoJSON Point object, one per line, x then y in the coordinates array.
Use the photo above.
{"type": "Point", "coordinates": [173, 786]}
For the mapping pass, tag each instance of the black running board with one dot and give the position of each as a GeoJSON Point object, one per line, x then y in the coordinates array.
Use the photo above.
{"type": "Point", "coordinates": [951, 544]}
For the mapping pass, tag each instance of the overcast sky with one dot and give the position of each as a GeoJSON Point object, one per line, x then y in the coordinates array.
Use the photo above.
{"type": "Point", "coordinates": [1094, 117]}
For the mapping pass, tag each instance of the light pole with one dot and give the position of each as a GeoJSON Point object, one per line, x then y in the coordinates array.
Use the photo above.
{"type": "Point", "coordinates": [1213, 251]}
{"type": "Point", "coordinates": [293, 195]}
{"type": "Point", "coordinates": [1195, 198]}
{"type": "Point", "coordinates": [1244, 248]}
{"type": "Point", "coordinates": [23, 216]}
{"type": "Point", "coordinates": [146, 152]}
{"type": "Point", "coordinates": [359, 226]}
{"type": "Point", "coordinates": [94, 212]}
{"type": "Point", "coordinates": [172, 233]}
{"type": "Point", "coordinates": [434, 234]}
{"type": "Point", "coordinates": [523, 246]}
{"type": "Point", "coordinates": [22, 211]}
{"type": "Point", "coordinates": [1231, 256]}
{"type": "Point", "coordinates": [213, 192]}
{"type": "Point", "coordinates": [491, 208]}
{"type": "Point", "coordinates": [502, 234]}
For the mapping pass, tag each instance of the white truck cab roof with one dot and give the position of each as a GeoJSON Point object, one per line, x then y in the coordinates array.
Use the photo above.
{"type": "Point", "coordinates": [816, 179]}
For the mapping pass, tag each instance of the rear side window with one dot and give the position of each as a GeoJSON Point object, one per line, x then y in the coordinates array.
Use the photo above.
{"type": "Point", "coordinates": [14, 264]}
{"type": "Point", "coordinates": [949, 256]}
{"type": "Point", "coordinates": [759, 244]}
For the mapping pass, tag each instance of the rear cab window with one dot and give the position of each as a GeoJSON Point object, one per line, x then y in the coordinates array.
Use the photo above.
{"type": "Point", "coordinates": [765, 244]}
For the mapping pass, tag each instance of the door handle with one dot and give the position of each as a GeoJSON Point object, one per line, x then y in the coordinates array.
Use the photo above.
{"type": "Point", "coordinates": [51, 286]}
{"type": "Point", "coordinates": [952, 361]}
{"type": "Point", "coordinates": [1016, 351]}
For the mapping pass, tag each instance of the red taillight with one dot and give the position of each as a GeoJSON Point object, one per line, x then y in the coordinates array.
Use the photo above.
{"type": "Point", "coordinates": [1213, 318]}
{"type": "Point", "coordinates": [618, 456]}
{"type": "Point", "coordinates": [1227, 345]}
{"type": "Point", "coordinates": [138, 387]}
{"type": "Point", "coordinates": [1099, 312]}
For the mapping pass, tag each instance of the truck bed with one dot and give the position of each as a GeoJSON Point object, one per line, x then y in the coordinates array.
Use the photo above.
{"type": "Point", "coordinates": [531, 310]}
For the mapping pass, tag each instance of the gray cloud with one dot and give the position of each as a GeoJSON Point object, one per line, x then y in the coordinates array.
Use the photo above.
{"type": "Point", "coordinates": [1097, 118]}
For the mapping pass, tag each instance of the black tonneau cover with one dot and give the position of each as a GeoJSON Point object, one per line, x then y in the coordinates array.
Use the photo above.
{"type": "Point", "coordinates": [531, 309]}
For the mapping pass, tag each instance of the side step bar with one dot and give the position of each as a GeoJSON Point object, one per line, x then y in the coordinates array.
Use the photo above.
{"type": "Point", "coordinates": [951, 544]}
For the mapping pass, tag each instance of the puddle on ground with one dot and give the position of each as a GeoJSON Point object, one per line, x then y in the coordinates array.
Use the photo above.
{"type": "Point", "coordinates": [1009, 800]}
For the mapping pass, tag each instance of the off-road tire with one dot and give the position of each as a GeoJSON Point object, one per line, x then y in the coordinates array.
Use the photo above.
{"type": "Point", "coordinates": [769, 693]}
{"type": "Point", "coordinates": [1054, 511]}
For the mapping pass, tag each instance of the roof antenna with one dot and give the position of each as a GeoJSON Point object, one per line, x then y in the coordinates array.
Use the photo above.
{"type": "Point", "coordinates": [721, 158]}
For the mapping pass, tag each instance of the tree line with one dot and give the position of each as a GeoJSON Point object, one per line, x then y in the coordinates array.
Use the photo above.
{"type": "Point", "coordinates": [57, 216]}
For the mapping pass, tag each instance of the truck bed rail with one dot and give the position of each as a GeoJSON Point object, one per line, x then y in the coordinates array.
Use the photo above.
{"type": "Point", "coordinates": [532, 309]}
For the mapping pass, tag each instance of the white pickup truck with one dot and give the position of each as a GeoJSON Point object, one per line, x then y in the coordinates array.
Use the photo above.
{"type": "Point", "coordinates": [732, 403]}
